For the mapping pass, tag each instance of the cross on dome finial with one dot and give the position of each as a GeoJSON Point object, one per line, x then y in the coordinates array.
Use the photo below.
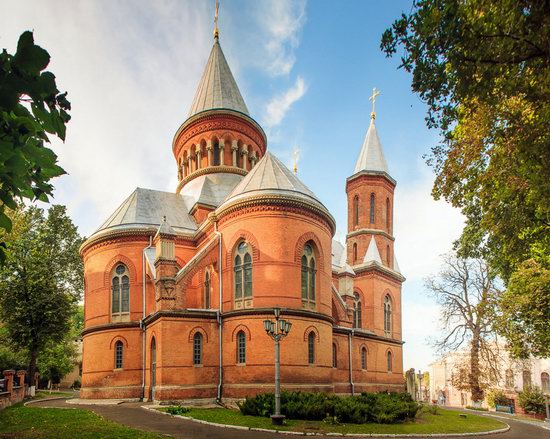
{"type": "Point", "coordinates": [296, 154]}
{"type": "Point", "coordinates": [375, 93]}
{"type": "Point", "coordinates": [216, 31]}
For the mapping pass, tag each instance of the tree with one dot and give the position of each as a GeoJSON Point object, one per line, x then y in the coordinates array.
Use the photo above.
{"type": "Point", "coordinates": [41, 279]}
{"type": "Point", "coordinates": [466, 291]}
{"type": "Point", "coordinates": [483, 68]}
{"type": "Point", "coordinates": [31, 106]}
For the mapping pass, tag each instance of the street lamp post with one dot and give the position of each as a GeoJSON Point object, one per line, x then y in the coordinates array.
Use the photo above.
{"type": "Point", "coordinates": [277, 330]}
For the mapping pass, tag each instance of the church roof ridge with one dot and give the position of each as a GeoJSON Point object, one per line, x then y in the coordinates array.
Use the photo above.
{"type": "Point", "coordinates": [371, 157]}
{"type": "Point", "coordinates": [217, 88]}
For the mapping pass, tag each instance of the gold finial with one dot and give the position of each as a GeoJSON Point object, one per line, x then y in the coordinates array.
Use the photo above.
{"type": "Point", "coordinates": [375, 93]}
{"type": "Point", "coordinates": [296, 157]}
{"type": "Point", "coordinates": [216, 31]}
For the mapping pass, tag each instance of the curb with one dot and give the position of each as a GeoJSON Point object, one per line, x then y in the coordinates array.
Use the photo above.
{"type": "Point", "coordinates": [300, 433]}
{"type": "Point", "coordinates": [34, 401]}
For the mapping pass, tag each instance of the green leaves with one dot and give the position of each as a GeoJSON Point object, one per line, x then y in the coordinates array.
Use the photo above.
{"type": "Point", "coordinates": [31, 107]}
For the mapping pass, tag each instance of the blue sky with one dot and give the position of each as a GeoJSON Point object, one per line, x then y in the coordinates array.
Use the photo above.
{"type": "Point", "coordinates": [305, 69]}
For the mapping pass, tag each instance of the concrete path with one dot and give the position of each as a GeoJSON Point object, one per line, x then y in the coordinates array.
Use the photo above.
{"type": "Point", "coordinates": [133, 415]}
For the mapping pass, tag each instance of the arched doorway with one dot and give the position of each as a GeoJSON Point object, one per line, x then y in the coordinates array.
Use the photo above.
{"type": "Point", "coordinates": [153, 369]}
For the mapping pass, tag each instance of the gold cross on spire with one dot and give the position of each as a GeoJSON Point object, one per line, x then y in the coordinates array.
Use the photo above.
{"type": "Point", "coordinates": [216, 31]}
{"type": "Point", "coordinates": [375, 93]}
{"type": "Point", "coordinates": [296, 157]}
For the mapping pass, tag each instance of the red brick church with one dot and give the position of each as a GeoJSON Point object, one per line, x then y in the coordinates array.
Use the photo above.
{"type": "Point", "coordinates": [178, 284]}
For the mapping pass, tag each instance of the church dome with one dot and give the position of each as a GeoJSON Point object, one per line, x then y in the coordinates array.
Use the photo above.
{"type": "Point", "coordinates": [270, 177]}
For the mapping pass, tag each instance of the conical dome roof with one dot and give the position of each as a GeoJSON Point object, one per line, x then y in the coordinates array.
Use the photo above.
{"type": "Point", "coordinates": [217, 88]}
{"type": "Point", "coordinates": [271, 177]}
{"type": "Point", "coordinates": [371, 157]}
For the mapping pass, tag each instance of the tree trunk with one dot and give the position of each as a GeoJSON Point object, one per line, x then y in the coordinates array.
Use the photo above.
{"type": "Point", "coordinates": [475, 388]}
{"type": "Point", "coordinates": [32, 368]}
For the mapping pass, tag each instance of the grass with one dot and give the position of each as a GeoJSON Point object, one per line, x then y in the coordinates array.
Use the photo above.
{"type": "Point", "coordinates": [19, 421]}
{"type": "Point", "coordinates": [42, 394]}
{"type": "Point", "coordinates": [446, 421]}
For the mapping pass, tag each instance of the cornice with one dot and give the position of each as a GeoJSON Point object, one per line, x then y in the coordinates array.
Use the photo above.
{"type": "Point", "coordinates": [210, 170]}
{"type": "Point", "coordinates": [371, 232]}
{"type": "Point", "coordinates": [371, 174]}
{"type": "Point", "coordinates": [183, 313]}
{"type": "Point", "coordinates": [109, 327]}
{"type": "Point", "coordinates": [284, 312]}
{"type": "Point", "coordinates": [366, 334]}
{"type": "Point", "coordinates": [371, 266]}
{"type": "Point", "coordinates": [259, 201]}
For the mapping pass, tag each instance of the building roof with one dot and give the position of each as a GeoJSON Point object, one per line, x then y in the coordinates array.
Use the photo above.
{"type": "Point", "coordinates": [145, 207]}
{"type": "Point", "coordinates": [340, 257]}
{"type": "Point", "coordinates": [271, 176]}
{"type": "Point", "coordinates": [209, 189]}
{"type": "Point", "coordinates": [372, 255]}
{"type": "Point", "coordinates": [371, 157]}
{"type": "Point", "coordinates": [217, 88]}
{"type": "Point", "coordinates": [395, 264]}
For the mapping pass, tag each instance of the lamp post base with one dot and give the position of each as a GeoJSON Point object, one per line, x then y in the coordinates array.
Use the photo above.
{"type": "Point", "coordinates": [277, 419]}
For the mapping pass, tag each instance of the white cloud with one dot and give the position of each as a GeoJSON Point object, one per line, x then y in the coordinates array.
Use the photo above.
{"type": "Point", "coordinates": [277, 108]}
{"type": "Point", "coordinates": [283, 21]}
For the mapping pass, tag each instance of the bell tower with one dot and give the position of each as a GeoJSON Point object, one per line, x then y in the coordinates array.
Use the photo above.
{"type": "Point", "coordinates": [370, 192]}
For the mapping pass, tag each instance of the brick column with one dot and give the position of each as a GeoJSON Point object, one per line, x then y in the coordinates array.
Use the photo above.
{"type": "Point", "coordinates": [8, 375]}
{"type": "Point", "coordinates": [21, 377]}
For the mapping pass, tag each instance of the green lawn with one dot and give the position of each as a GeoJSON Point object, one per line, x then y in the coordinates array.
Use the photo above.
{"type": "Point", "coordinates": [18, 421]}
{"type": "Point", "coordinates": [447, 421]}
{"type": "Point", "coordinates": [42, 394]}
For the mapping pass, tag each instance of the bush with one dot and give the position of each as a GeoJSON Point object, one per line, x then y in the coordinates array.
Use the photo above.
{"type": "Point", "coordinates": [177, 410]}
{"type": "Point", "coordinates": [479, 409]}
{"type": "Point", "coordinates": [532, 400]}
{"type": "Point", "coordinates": [432, 409]}
{"type": "Point", "coordinates": [496, 397]}
{"type": "Point", "coordinates": [76, 384]}
{"type": "Point", "coordinates": [382, 408]}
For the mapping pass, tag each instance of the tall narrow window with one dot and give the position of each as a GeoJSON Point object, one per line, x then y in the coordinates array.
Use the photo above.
{"type": "Point", "coordinates": [354, 252]}
{"type": "Point", "coordinates": [372, 207]}
{"type": "Point", "coordinates": [207, 290]}
{"type": "Point", "coordinates": [197, 348]}
{"type": "Point", "coordinates": [526, 379]}
{"type": "Point", "coordinates": [509, 378]}
{"type": "Point", "coordinates": [216, 153]}
{"type": "Point", "coordinates": [357, 313]}
{"type": "Point", "coordinates": [355, 210]}
{"type": "Point", "coordinates": [545, 382]}
{"type": "Point", "coordinates": [389, 359]}
{"type": "Point", "coordinates": [364, 358]}
{"type": "Point", "coordinates": [309, 274]}
{"type": "Point", "coordinates": [388, 215]}
{"type": "Point", "coordinates": [241, 347]}
{"type": "Point", "coordinates": [311, 347]}
{"type": "Point", "coordinates": [118, 354]}
{"type": "Point", "coordinates": [388, 256]}
{"type": "Point", "coordinates": [120, 291]}
{"type": "Point", "coordinates": [243, 272]}
{"type": "Point", "coordinates": [387, 316]}
{"type": "Point", "coordinates": [334, 355]}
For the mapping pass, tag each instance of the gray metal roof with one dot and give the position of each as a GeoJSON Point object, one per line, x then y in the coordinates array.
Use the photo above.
{"type": "Point", "coordinates": [217, 88]}
{"type": "Point", "coordinates": [271, 176]}
{"type": "Point", "coordinates": [371, 157]}
{"type": "Point", "coordinates": [209, 189]}
{"type": "Point", "coordinates": [372, 255]}
{"type": "Point", "coordinates": [145, 207]}
{"type": "Point", "coordinates": [337, 252]}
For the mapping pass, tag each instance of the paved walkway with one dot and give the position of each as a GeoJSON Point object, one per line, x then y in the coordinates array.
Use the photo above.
{"type": "Point", "coordinates": [132, 415]}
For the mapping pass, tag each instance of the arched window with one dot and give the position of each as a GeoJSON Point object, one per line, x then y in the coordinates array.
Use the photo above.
{"type": "Point", "coordinates": [120, 291]}
{"type": "Point", "coordinates": [388, 215]}
{"type": "Point", "coordinates": [364, 358]}
{"type": "Point", "coordinates": [216, 153]}
{"type": "Point", "coordinates": [118, 354]}
{"type": "Point", "coordinates": [509, 378]}
{"type": "Point", "coordinates": [389, 359]}
{"type": "Point", "coordinates": [388, 256]}
{"type": "Point", "coordinates": [309, 274]}
{"type": "Point", "coordinates": [241, 347]}
{"type": "Point", "coordinates": [334, 355]}
{"type": "Point", "coordinates": [355, 210]}
{"type": "Point", "coordinates": [545, 382]}
{"type": "Point", "coordinates": [357, 312]}
{"type": "Point", "coordinates": [207, 290]}
{"type": "Point", "coordinates": [197, 348]}
{"type": "Point", "coordinates": [243, 272]}
{"type": "Point", "coordinates": [311, 347]}
{"type": "Point", "coordinates": [387, 316]}
{"type": "Point", "coordinates": [526, 379]}
{"type": "Point", "coordinates": [372, 207]}
{"type": "Point", "coordinates": [354, 252]}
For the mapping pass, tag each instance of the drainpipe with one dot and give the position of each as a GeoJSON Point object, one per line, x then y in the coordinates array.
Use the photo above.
{"type": "Point", "coordinates": [350, 345]}
{"type": "Point", "coordinates": [141, 323]}
{"type": "Point", "coordinates": [219, 315]}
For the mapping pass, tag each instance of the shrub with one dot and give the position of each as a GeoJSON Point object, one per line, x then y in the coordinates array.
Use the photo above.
{"type": "Point", "coordinates": [177, 410]}
{"type": "Point", "coordinates": [496, 397]}
{"type": "Point", "coordinates": [381, 407]}
{"type": "Point", "coordinates": [532, 400]}
{"type": "Point", "coordinates": [479, 409]}
{"type": "Point", "coordinates": [76, 384]}
{"type": "Point", "coordinates": [432, 409]}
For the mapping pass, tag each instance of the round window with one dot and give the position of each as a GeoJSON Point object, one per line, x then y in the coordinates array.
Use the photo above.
{"type": "Point", "coordinates": [120, 269]}
{"type": "Point", "coordinates": [308, 250]}
{"type": "Point", "coordinates": [243, 247]}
